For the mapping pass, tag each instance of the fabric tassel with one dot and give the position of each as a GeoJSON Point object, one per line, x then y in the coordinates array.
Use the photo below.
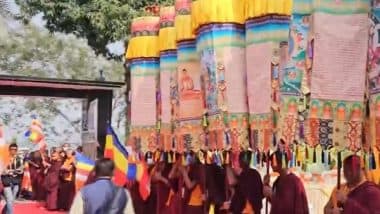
{"type": "Point", "coordinates": [204, 121]}
{"type": "Point", "coordinates": [212, 209]}
{"type": "Point", "coordinates": [329, 158]}
{"type": "Point", "coordinates": [283, 160]}
{"type": "Point", "coordinates": [274, 140]}
{"type": "Point", "coordinates": [174, 157]}
{"type": "Point", "coordinates": [252, 161]}
{"type": "Point", "coordinates": [200, 157]}
{"type": "Point", "coordinates": [183, 160]}
{"type": "Point", "coordinates": [306, 153]}
{"type": "Point", "coordinates": [227, 137]}
{"type": "Point", "coordinates": [221, 158]}
{"type": "Point", "coordinates": [323, 156]}
{"type": "Point", "coordinates": [170, 160]}
{"type": "Point", "coordinates": [302, 130]}
{"type": "Point", "coordinates": [227, 159]}
{"type": "Point", "coordinates": [314, 156]}
{"type": "Point", "coordinates": [373, 160]}
{"type": "Point", "coordinates": [258, 157]}
{"type": "Point", "coordinates": [209, 157]}
{"type": "Point", "coordinates": [294, 159]}
{"type": "Point", "coordinates": [370, 167]}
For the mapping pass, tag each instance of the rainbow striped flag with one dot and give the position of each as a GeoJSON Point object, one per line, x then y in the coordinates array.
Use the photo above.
{"type": "Point", "coordinates": [126, 169]}
{"type": "Point", "coordinates": [84, 166]}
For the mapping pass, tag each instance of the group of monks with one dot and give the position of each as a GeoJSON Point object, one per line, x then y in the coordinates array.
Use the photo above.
{"type": "Point", "coordinates": [201, 188]}
{"type": "Point", "coordinates": [208, 188]}
{"type": "Point", "coordinates": [53, 177]}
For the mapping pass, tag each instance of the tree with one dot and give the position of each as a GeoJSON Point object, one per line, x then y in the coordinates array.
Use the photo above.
{"type": "Point", "coordinates": [4, 8]}
{"type": "Point", "coordinates": [99, 21]}
{"type": "Point", "coordinates": [30, 51]}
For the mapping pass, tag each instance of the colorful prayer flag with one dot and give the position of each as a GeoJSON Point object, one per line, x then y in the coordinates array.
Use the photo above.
{"type": "Point", "coordinates": [84, 166]}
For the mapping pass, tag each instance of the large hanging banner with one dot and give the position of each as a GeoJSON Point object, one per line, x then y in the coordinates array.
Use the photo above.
{"type": "Point", "coordinates": [191, 102]}
{"type": "Point", "coordinates": [168, 76]}
{"type": "Point", "coordinates": [295, 67]}
{"type": "Point", "coordinates": [339, 68]}
{"type": "Point", "coordinates": [143, 55]}
{"type": "Point", "coordinates": [267, 27]}
{"type": "Point", "coordinates": [221, 44]}
{"type": "Point", "coordinates": [374, 75]}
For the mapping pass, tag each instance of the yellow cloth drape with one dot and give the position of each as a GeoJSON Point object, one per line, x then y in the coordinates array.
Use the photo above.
{"type": "Point", "coordinates": [255, 8]}
{"type": "Point", "coordinates": [222, 11]}
{"type": "Point", "coordinates": [167, 35]}
{"type": "Point", "coordinates": [145, 40]}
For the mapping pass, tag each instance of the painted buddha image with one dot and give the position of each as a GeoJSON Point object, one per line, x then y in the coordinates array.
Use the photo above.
{"type": "Point", "coordinates": [187, 86]}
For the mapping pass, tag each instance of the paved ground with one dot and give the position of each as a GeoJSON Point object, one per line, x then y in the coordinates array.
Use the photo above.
{"type": "Point", "coordinates": [29, 207]}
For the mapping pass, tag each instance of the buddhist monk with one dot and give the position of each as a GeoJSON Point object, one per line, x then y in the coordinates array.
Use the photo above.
{"type": "Point", "coordinates": [36, 170]}
{"type": "Point", "coordinates": [193, 185]}
{"type": "Point", "coordinates": [288, 193]}
{"type": "Point", "coordinates": [66, 191]}
{"type": "Point", "coordinates": [215, 186]}
{"type": "Point", "coordinates": [364, 196]}
{"type": "Point", "coordinates": [163, 187]}
{"type": "Point", "coordinates": [248, 192]}
{"type": "Point", "coordinates": [52, 180]}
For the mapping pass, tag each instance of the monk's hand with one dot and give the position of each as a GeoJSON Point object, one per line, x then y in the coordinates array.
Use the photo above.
{"type": "Point", "coordinates": [341, 196]}
{"type": "Point", "coordinates": [267, 191]}
{"type": "Point", "coordinates": [226, 205]}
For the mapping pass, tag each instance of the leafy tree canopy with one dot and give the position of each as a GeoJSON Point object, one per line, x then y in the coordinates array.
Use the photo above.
{"type": "Point", "coordinates": [99, 21]}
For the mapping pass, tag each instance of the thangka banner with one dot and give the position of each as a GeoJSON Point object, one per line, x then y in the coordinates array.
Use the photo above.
{"type": "Point", "coordinates": [294, 73]}
{"type": "Point", "coordinates": [143, 55]}
{"type": "Point", "coordinates": [191, 101]}
{"type": "Point", "coordinates": [374, 75]}
{"type": "Point", "coordinates": [221, 45]}
{"type": "Point", "coordinates": [265, 31]}
{"type": "Point", "coordinates": [168, 76]}
{"type": "Point", "coordinates": [338, 78]}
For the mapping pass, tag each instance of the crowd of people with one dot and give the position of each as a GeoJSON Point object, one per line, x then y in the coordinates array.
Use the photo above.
{"type": "Point", "coordinates": [195, 188]}
{"type": "Point", "coordinates": [52, 177]}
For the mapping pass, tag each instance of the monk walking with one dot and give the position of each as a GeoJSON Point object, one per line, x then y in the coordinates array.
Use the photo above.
{"type": "Point", "coordinates": [52, 180]}
{"type": "Point", "coordinates": [364, 196]}
{"type": "Point", "coordinates": [36, 170]}
{"type": "Point", "coordinates": [288, 193]}
{"type": "Point", "coordinates": [66, 191]}
{"type": "Point", "coordinates": [248, 192]}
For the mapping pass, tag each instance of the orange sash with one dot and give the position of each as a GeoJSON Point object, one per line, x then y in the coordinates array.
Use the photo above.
{"type": "Point", "coordinates": [196, 196]}
{"type": "Point", "coordinates": [248, 209]}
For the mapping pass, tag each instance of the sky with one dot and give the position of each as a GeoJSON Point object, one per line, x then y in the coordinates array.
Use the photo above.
{"type": "Point", "coordinates": [116, 48]}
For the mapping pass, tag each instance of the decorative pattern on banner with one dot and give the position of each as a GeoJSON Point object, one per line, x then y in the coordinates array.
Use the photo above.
{"type": "Point", "coordinates": [222, 48]}
{"type": "Point", "coordinates": [190, 97]}
{"type": "Point", "coordinates": [339, 66]}
{"type": "Point", "coordinates": [168, 77]}
{"type": "Point", "coordinates": [374, 75]}
{"type": "Point", "coordinates": [265, 31]}
{"type": "Point", "coordinates": [143, 55]}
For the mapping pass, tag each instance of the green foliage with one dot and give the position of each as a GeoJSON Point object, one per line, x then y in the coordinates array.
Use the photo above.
{"type": "Point", "coordinates": [99, 21]}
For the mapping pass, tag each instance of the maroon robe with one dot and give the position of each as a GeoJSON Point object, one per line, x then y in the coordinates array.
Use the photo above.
{"type": "Point", "coordinates": [216, 187]}
{"type": "Point", "coordinates": [163, 193]}
{"type": "Point", "coordinates": [196, 175]}
{"type": "Point", "coordinates": [52, 185]}
{"type": "Point", "coordinates": [289, 196]}
{"type": "Point", "coordinates": [37, 179]}
{"type": "Point", "coordinates": [364, 199]}
{"type": "Point", "coordinates": [249, 188]}
{"type": "Point", "coordinates": [66, 191]}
